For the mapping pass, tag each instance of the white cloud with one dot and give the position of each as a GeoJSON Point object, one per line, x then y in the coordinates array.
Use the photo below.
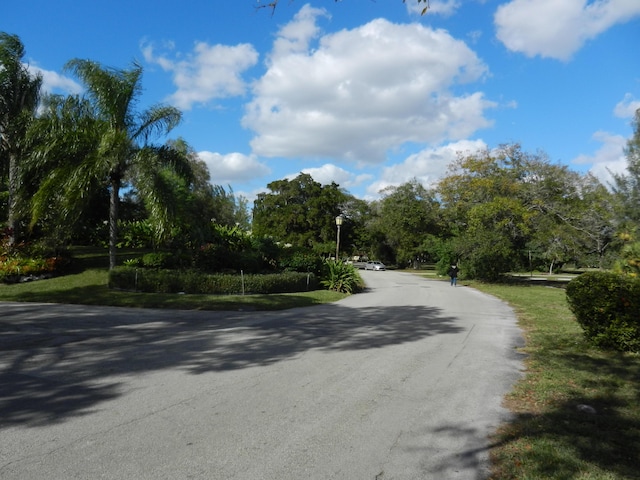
{"type": "Point", "coordinates": [558, 28]}
{"type": "Point", "coordinates": [232, 167]}
{"type": "Point", "coordinates": [441, 7]}
{"type": "Point", "coordinates": [329, 172]}
{"type": "Point", "coordinates": [608, 158]}
{"type": "Point", "coordinates": [53, 82]}
{"type": "Point", "coordinates": [358, 93]}
{"type": "Point", "coordinates": [627, 107]}
{"type": "Point", "coordinates": [209, 72]}
{"type": "Point", "coordinates": [427, 166]}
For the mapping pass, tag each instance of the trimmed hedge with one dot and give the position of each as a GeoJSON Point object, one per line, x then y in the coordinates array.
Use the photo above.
{"type": "Point", "coordinates": [192, 281]}
{"type": "Point", "coordinates": [607, 306]}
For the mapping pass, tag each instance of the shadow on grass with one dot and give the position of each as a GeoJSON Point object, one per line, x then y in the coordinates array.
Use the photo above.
{"type": "Point", "coordinates": [57, 361]}
{"type": "Point", "coordinates": [565, 441]}
{"type": "Point", "coordinates": [99, 294]}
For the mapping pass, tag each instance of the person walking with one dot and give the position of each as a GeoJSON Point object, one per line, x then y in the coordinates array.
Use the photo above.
{"type": "Point", "coordinates": [453, 274]}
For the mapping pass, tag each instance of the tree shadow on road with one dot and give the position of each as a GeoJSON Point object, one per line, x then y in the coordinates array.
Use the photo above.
{"type": "Point", "coordinates": [57, 361]}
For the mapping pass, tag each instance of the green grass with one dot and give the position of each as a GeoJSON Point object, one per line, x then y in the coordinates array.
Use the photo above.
{"type": "Point", "coordinates": [88, 286]}
{"type": "Point", "coordinates": [550, 437]}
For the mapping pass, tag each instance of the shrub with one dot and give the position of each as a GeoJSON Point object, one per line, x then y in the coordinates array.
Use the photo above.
{"type": "Point", "coordinates": [157, 260]}
{"type": "Point", "coordinates": [218, 258]}
{"type": "Point", "coordinates": [341, 277]}
{"type": "Point", "coordinates": [135, 234]}
{"type": "Point", "coordinates": [192, 281]}
{"type": "Point", "coordinates": [607, 306]}
{"type": "Point", "coordinates": [301, 261]}
{"type": "Point", "coordinates": [29, 261]}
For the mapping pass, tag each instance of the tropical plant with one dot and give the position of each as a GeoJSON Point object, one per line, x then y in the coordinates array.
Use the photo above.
{"type": "Point", "coordinates": [19, 95]}
{"type": "Point", "coordinates": [341, 277]}
{"type": "Point", "coordinates": [109, 146]}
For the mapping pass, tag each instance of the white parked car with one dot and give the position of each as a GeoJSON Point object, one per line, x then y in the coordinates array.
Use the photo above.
{"type": "Point", "coordinates": [374, 265]}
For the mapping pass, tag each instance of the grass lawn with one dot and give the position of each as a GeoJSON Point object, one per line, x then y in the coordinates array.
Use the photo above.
{"type": "Point", "coordinates": [551, 437]}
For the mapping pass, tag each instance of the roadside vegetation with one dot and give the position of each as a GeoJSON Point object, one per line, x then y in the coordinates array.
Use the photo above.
{"type": "Point", "coordinates": [87, 284]}
{"type": "Point", "coordinates": [576, 409]}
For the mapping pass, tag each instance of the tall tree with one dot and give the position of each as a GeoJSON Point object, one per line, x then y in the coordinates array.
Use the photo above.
{"type": "Point", "coordinates": [503, 204]}
{"type": "Point", "coordinates": [627, 186]}
{"type": "Point", "coordinates": [19, 95]}
{"type": "Point", "coordinates": [403, 218]}
{"type": "Point", "coordinates": [299, 211]}
{"type": "Point", "coordinates": [117, 148]}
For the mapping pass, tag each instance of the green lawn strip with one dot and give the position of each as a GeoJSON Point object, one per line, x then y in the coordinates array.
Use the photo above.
{"type": "Point", "coordinates": [550, 436]}
{"type": "Point", "coordinates": [89, 287]}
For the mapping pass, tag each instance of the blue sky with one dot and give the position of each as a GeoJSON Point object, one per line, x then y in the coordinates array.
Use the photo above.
{"type": "Point", "coordinates": [364, 93]}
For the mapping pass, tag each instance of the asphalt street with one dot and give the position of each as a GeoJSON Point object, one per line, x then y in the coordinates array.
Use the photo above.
{"type": "Point", "coordinates": [403, 382]}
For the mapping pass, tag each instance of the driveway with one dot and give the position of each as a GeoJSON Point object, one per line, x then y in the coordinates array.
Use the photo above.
{"type": "Point", "coordinates": [403, 382]}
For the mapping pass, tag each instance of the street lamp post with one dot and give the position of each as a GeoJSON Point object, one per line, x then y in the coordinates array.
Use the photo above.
{"type": "Point", "coordinates": [339, 220]}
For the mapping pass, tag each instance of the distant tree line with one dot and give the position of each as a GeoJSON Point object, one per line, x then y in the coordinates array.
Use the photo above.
{"type": "Point", "coordinates": [495, 211]}
{"type": "Point", "coordinates": [87, 169]}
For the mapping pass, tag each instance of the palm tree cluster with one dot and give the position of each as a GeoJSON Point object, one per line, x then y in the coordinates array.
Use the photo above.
{"type": "Point", "coordinates": [63, 156]}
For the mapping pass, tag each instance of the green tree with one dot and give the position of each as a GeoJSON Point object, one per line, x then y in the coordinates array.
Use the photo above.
{"type": "Point", "coordinates": [19, 95]}
{"type": "Point", "coordinates": [64, 134]}
{"type": "Point", "coordinates": [486, 218]}
{"type": "Point", "coordinates": [403, 218]}
{"type": "Point", "coordinates": [112, 145]}
{"type": "Point", "coordinates": [626, 187]}
{"type": "Point", "coordinates": [504, 205]}
{"type": "Point", "coordinates": [300, 212]}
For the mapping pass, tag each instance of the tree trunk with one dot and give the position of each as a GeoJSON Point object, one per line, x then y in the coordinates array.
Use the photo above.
{"type": "Point", "coordinates": [12, 201]}
{"type": "Point", "coordinates": [114, 204]}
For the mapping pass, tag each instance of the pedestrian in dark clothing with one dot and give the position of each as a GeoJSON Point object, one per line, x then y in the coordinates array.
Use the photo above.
{"type": "Point", "coordinates": [453, 273]}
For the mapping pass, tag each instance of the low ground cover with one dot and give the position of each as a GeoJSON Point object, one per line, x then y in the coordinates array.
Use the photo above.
{"type": "Point", "coordinates": [576, 410]}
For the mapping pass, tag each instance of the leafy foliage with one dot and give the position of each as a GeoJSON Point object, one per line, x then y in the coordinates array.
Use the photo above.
{"type": "Point", "coordinates": [19, 96]}
{"type": "Point", "coordinates": [627, 186]}
{"type": "Point", "coordinates": [403, 217]}
{"type": "Point", "coordinates": [193, 281]}
{"type": "Point", "coordinates": [109, 143]}
{"type": "Point", "coordinates": [23, 261]}
{"type": "Point", "coordinates": [507, 207]}
{"type": "Point", "coordinates": [299, 260]}
{"type": "Point", "coordinates": [341, 277]}
{"type": "Point", "coordinates": [300, 212]}
{"type": "Point", "coordinates": [607, 306]}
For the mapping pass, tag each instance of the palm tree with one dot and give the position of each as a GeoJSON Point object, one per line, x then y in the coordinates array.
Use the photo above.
{"type": "Point", "coordinates": [19, 95]}
{"type": "Point", "coordinates": [100, 140]}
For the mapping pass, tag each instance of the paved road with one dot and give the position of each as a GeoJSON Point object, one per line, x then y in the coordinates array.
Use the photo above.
{"type": "Point", "coordinates": [402, 382]}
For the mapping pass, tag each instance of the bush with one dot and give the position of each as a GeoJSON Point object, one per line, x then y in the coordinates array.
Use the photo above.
{"type": "Point", "coordinates": [26, 261]}
{"type": "Point", "coordinates": [192, 281]}
{"type": "Point", "coordinates": [157, 260]}
{"type": "Point", "coordinates": [341, 277]}
{"type": "Point", "coordinates": [301, 261]}
{"type": "Point", "coordinates": [607, 306]}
